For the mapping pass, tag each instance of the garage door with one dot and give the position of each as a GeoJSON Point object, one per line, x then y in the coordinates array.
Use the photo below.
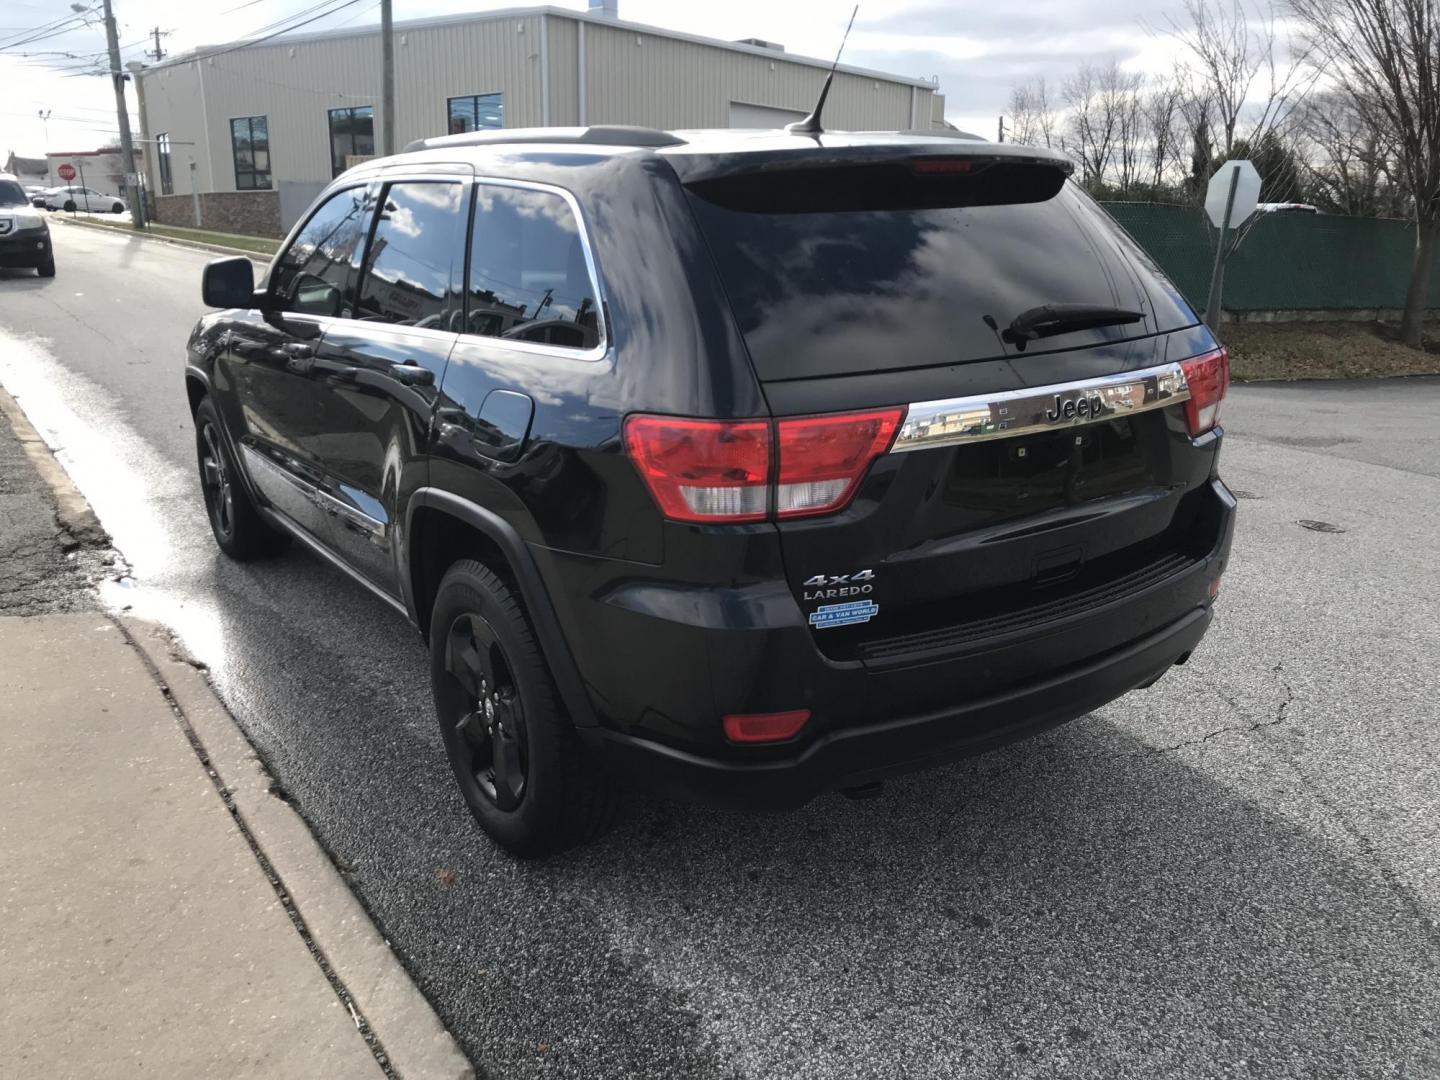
{"type": "Point", "coordinates": [761, 116]}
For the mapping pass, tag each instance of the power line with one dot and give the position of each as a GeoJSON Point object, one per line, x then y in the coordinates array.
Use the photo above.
{"type": "Point", "coordinates": [9, 38]}
{"type": "Point", "coordinates": [250, 42]}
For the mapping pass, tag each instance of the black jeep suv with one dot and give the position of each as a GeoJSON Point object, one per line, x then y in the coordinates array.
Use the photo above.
{"type": "Point", "coordinates": [742, 464]}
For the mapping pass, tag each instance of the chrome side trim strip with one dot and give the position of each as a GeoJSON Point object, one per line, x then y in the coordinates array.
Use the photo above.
{"type": "Point", "coordinates": [323, 500]}
{"type": "Point", "coordinates": [1007, 414]}
{"type": "Point", "coordinates": [334, 560]}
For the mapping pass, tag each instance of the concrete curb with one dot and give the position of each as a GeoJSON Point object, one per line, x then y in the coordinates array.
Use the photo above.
{"type": "Point", "coordinates": [194, 245]}
{"type": "Point", "coordinates": [414, 1040]}
{"type": "Point", "coordinates": [72, 511]}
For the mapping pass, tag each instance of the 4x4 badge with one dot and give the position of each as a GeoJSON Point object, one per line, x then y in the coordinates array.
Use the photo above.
{"type": "Point", "coordinates": [839, 586]}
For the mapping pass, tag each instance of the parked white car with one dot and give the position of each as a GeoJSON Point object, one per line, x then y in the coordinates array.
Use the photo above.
{"type": "Point", "coordinates": [83, 198]}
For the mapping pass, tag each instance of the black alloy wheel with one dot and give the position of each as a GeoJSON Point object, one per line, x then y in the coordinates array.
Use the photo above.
{"type": "Point", "coordinates": [487, 741]}
{"type": "Point", "coordinates": [216, 482]}
{"type": "Point", "coordinates": [512, 746]}
{"type": "Point", "coordinates": [238, 527]}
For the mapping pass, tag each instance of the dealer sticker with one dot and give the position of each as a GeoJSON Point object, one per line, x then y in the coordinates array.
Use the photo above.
{"type": "Point", "coordinates": [828, 616]}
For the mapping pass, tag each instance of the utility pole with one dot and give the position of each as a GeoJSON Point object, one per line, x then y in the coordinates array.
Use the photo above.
{"type": "Point", "coordinates": [127, 149]}
{"type": "Point", "coordinates": [44, 115]}
{"type": "Point", "coordinates": [158, 54]}
{"type": "Point", "coordinates": [1002, 130]}
{"type": "Point", "coordinates": [387, 79]}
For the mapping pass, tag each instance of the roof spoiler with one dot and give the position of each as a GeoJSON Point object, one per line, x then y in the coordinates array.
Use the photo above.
{"type": "Point", "coordinates": [605, 135]}
{"type": "Point", "coordinates": [694, 168]}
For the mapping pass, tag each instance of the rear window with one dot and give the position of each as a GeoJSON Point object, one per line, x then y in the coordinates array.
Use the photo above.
{"type": "Point", "coordinates": [876, 281]}
{"type": "Point", "coordinates": [12, 194]}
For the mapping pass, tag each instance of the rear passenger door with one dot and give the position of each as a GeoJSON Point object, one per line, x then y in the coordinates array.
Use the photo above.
{"type": "Point", "coordinates": [379, 371]}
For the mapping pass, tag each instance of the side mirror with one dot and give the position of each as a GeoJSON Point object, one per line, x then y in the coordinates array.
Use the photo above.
{"type": "Point", "coordinates": [228, 283]}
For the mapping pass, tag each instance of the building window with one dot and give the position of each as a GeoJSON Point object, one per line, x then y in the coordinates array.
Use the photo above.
{"type": "Point", "coordinates": [352, 133]}
{"type": "Point", "coordinates": [476, 111]}
{"type": "Point", "coordinates": [162, 157]}
{"type": "Point", "coordinates": [250, 143]}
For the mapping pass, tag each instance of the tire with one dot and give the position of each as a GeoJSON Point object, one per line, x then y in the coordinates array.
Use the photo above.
{"type": "Point", "coordinates": [47, 268]}
{"type": "Point", "coordinates": [69, 205]}
{"type": "Point", "coordinates": [516, 758]}
{"type": "Point", "coordinates": [239, 530]}
{"type": "Point", "coordinates": [117, 209]}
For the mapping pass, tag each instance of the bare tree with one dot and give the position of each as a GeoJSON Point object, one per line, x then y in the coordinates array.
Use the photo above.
{"type": "Point", "coordinates": [1165, 131]}
{"type": "Point", "coordinates": [1385, 56]}
{"type": "Point", "coordinates": [1349, 164]}
{"type": "Point", "coordinates": [1236, 69]}
{"type": "Point", "coordinates": [1032, 117]}
{"type": "Point", "coordinates": [1103, 114]}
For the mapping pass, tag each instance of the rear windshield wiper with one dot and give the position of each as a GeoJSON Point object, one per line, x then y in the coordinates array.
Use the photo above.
{"type": "Point", "coordinates": [1050, 319]}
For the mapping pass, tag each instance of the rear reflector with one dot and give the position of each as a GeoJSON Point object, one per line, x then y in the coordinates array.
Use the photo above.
{"type": "Point", "coordinates": [765, 727]}
{"type": "Point", "coordinates": [1208, 377]}
{"type": "Point", "coordinates": [822, 458]}
{"type": "Point", "coordinates": [718, 471]}
{"type": "Point", "coordinates": [703, 470]}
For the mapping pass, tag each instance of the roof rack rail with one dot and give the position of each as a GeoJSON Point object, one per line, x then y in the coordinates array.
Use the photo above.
{"type": "Point", "coordinates": [604, 135]}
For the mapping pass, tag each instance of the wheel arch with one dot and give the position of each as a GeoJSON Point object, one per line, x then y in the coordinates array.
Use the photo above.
{"type": "Point", "coordinates": [197, 385]}
{"type": "Point", "coordinates": [441, 527]}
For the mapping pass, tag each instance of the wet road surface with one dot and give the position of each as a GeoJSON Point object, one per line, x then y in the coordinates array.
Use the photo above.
{"type": "Point", "coordinates": [1234, 873]}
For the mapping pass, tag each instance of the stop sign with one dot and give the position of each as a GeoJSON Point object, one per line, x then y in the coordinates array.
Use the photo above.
{"type": "Point", "coordinates": [67, 172]}
{"type": "Point", "coordinates": [1247, 193]}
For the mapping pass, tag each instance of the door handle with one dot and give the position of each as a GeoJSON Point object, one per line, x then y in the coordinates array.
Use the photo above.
{"type": "Point", "coordinates": [298, 350]}
{"type": "Point", "coordinates": [412, 374]}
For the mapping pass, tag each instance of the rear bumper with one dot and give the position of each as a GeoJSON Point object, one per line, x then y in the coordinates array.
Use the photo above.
{"type": "Point", "coordinates": [664, 660]}
{"type": "Point", "coordinates": [858, 755]}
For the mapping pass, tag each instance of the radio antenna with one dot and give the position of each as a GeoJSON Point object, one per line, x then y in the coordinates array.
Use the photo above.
{"type": "Point", "coordinates": [811, 124]}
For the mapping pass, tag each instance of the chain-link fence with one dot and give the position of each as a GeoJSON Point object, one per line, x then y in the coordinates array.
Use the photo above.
{"type": "Point", "coordinates": [1287, 261]}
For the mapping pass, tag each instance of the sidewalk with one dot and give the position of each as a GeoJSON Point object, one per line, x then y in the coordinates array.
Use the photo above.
{"type": "Point", "coordinates": [137, 931]}
{"type": "Point", "coordinates": [162, 912]}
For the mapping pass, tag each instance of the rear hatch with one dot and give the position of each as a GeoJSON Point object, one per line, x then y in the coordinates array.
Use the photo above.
{"type": "Point", "coordinates": [993, 299]}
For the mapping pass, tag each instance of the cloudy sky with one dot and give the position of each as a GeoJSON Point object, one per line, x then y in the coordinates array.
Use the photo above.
{"type": "Point", "coordinates": [978, 50]}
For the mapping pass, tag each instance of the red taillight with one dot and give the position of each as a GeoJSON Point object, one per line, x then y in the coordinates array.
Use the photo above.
{"type": "Point", "coordinates": [765, 727]}
{"type": "Point", "coordinates": [703, 470]}
{"type": "Point", "coordinates": [1208, 376]}
{"type": "Point", "coordinates": [718, 471]}
{"type": "Point", "coordinates": [822, 458]}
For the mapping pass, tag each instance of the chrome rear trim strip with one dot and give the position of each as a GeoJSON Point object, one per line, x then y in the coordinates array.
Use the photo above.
{"type": "Point", "coordinates": [1005, 415]}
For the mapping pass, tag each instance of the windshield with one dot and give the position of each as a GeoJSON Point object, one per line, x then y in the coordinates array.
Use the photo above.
{"type": "Point", "coordinates": [12, 194]}
{"type": "Point", "coordinates": [851, 291]}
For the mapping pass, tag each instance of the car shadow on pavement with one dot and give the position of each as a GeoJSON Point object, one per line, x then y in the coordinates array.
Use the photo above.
{"type": "Point", "coordinates": [23, 277]}
{"type": "Point", "coordinates": [1077, 905]}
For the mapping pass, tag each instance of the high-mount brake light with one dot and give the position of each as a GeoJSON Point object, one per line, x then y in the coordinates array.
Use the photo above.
{"type": "Point", "coordinates": [719, 471]}
{"type": "Point", "coordinates": [938, 166]}
{"type": "Point", "coordinates": [1208, 377]}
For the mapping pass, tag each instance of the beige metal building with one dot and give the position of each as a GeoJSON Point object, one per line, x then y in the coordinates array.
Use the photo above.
{"type": "Point", "coordinates": [256, 129]}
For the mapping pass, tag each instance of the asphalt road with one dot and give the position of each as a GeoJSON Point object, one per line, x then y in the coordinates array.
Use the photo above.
{"type": "Point", "coordinates": [1234, 873]}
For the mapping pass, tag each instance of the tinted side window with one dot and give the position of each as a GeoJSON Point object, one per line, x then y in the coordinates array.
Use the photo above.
{"type": "Point", "coordinates": [419, 237]}
{"type": "Point", "coordinates": [529, 280]}
{"type": "Point", "coordinates": [312, 275]}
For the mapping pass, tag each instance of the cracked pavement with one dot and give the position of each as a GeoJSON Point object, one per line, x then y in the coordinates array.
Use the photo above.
{"type": "Point", "coordinates": [1234, 873]}
{"type": "Point", "coordinates": [42, 569]}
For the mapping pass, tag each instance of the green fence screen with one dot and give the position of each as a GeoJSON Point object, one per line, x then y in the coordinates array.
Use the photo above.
{"type": "Point", "coordinates": [1299, 261]}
